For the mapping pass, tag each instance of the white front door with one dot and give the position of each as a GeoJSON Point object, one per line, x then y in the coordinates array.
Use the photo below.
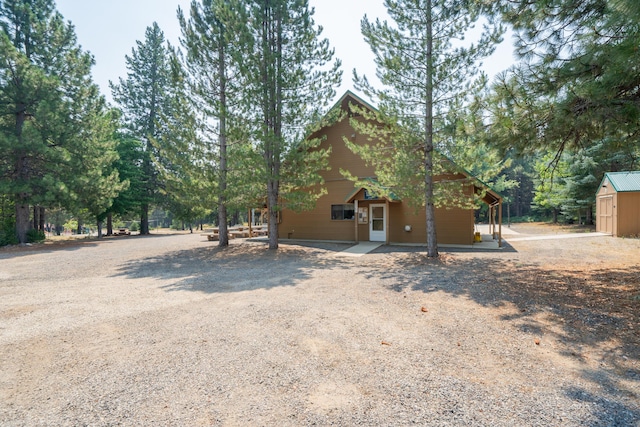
{"type": "Point", "coordinates": [377, 223]}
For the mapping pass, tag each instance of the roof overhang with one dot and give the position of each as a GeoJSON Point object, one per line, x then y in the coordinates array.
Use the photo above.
{"type": "Point", "coordinates": [490, 197]}
{"type": "Point", "coordinates": [362, 193]}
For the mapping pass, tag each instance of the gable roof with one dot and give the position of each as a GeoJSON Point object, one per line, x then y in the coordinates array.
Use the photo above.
{"type": "Point", "coordinates": [623, 181]}
{"type": "Point", "coordinates": [490, 197]}
{"type": "Point", "coordinates": [350, 97]}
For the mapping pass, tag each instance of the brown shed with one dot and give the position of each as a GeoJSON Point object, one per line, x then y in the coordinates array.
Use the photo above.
{"type": "Point", "coordinates": [618, 204]}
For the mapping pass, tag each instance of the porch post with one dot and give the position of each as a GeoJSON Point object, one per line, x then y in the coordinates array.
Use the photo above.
{"type": "Point", "coordinates": [388, 220]}
{"type": "Point", "coordinates": [355, 207]}
{"type": "Point", "coordinates": [500, 224]}
{"type": "Point", "coordinates": [493, 221]}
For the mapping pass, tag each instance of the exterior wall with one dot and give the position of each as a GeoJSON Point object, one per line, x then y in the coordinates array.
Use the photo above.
{"type": "Point", "coordinates": [628, 213]}
{"type": "Point", "coordinates": [453, 225]}
{"type": "Point", "coordinates": [317, 223]}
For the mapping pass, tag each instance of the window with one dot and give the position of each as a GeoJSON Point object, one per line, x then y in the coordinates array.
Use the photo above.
{"type": "Point", "coordinates": [343, 212]}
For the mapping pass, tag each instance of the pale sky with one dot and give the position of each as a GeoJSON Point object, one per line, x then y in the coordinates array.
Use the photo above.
{"type": "Point", "coordinates": [109, 30]}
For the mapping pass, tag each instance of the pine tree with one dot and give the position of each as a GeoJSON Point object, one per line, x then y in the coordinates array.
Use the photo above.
{"type": "Point", "coordinates": [186, 162]}
{"type": "Point", "coordinates": [47, 100]}
{"type": "Point", "coordinates": [144, 96]}
{"type": "Point", "coordinates": [577, 81]}
{"type": "Point", "coordinates": [212, 54]}
{"type": "Point", "coordinates": [289, 81]}
{"type": "Point", "coordinates": [426, 70]}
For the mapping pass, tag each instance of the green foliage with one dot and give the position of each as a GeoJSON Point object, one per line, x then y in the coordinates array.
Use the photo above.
{"type": "Point", "coordinates": [144, 96]}
{"type": "Point", "coordinates": [8, 232]}
{"type": "Point", "coordinates": [128, 164]}
{"type": "Point", "coordinates": [288, 82]}
{"type": "Point", "coordinates": [35, 236]}
{"type": "Point", "coordinates": [577, 82]}
{"type": "Point", "coordinates": [210, 43]}
{"type": "Point", "coordinates": [567, 186]}
{"type": "Point", "coordinates": [71, 224]}
{"type": "Point", "coordinates": [50, 131]}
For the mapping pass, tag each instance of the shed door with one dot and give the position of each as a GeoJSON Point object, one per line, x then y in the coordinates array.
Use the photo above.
{"type": "Point", "coordinates": [605, 214]}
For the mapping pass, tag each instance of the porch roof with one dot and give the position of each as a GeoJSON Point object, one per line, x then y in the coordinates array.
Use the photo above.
{"type": "Point", "coordinates": [374, 183]}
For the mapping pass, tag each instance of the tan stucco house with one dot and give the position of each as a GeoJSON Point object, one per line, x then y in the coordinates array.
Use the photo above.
{"type": "Point", "coordinates": [349, 213]}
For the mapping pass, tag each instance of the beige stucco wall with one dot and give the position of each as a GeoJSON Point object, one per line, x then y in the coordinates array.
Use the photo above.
{"type": "Point", "coordinates": [453, 225]}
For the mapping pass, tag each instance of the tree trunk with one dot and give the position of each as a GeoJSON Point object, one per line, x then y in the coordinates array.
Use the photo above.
{"type": "Point", "coordinates": [22, 219]}
{"type": "Point", "coordinates": [222, 179]}
{"type": "Point", "coordinates": [42, 219]}
{"type": "Point", "coordinates": [110, 224]}
{"type": "Point", "coordinates": [432, 241]}
{"type": "Point", "coordinates": [21, 173]}
{"type": "Point", "coordinates": [99, 224]}
{"type": "Point", "coordinates": [272, 197]}
{"type": "Point", "coordinates": [144, 219]}
{"type": "Point", "coordinates": [36, 222]}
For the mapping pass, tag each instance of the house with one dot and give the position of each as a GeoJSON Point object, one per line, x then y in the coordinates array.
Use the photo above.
{"type": "Point", "coordinates": [353, 214]}
{"type": "Point", "coordinates": [618, 204]}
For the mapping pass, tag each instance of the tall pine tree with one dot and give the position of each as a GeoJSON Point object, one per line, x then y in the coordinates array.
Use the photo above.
{"type": "Point", "coordinates": [211, 61]}
{"type": "Point", "coordinates": [289, 81]}
{"type": "Point", "coordinates": [47, 101]}
{"type": "Point", "coordinates": [144, 96]}
{"type": "Point", "coordinates": [426, 69]}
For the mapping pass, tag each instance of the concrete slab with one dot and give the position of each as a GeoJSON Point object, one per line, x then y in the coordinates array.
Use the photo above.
{"type": "Point", "coordinates": [557, 236]}
{"type": "Point", "coordinates": [360, 249]}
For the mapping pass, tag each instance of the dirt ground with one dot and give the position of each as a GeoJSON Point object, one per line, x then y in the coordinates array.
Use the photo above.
{"type": "Point", "coordinates": [171, 330]}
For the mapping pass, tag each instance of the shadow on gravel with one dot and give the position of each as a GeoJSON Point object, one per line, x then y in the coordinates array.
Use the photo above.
{"type": "Point", "coordinates": [586, 308]}
{"type": "Point", "coordinates": [45, 248]}
{"type": "Point", "coordinates": [239, 267]}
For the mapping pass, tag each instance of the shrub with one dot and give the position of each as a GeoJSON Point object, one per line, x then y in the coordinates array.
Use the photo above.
{"type": "Point", "coordinates": [8, 232]}
{"type": "Point", "coordinates": [35, 236]}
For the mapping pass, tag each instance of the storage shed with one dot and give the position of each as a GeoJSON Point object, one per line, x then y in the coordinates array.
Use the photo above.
{"type": "Point", "coordinates": [618, 204]}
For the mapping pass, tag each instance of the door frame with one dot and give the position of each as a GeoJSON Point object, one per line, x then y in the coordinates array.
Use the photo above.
{"type": "Point", "coordinates": [378, 235]}
{"type": "Point", "coordinates": [605, 218]}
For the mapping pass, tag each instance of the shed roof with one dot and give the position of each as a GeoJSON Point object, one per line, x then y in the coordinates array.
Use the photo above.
{"type": "Point", "coordinates": [624, 181]}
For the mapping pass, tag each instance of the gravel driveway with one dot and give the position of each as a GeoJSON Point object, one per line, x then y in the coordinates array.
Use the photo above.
{"type": "Point", "coordinates": [170, 330]}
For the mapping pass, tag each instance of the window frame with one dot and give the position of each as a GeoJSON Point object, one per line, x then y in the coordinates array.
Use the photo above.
{"type": "Point", "coordinates": [350, 207]}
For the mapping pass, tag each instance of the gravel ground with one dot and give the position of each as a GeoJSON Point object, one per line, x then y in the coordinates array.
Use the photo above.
{"type": "Point", "coordinates": [170, 330]}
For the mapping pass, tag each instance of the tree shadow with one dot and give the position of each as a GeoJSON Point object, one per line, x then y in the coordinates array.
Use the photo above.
{"type": "Point", "coordinates": [587, 310]}
{"type": "Point", "coordinates": [236, 268]}
{"type": "Point", "coordinates": [17, 251]}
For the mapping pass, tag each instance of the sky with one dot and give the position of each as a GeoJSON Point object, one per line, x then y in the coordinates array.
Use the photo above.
{"type": "Point", "coordinates": [110, 29]}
